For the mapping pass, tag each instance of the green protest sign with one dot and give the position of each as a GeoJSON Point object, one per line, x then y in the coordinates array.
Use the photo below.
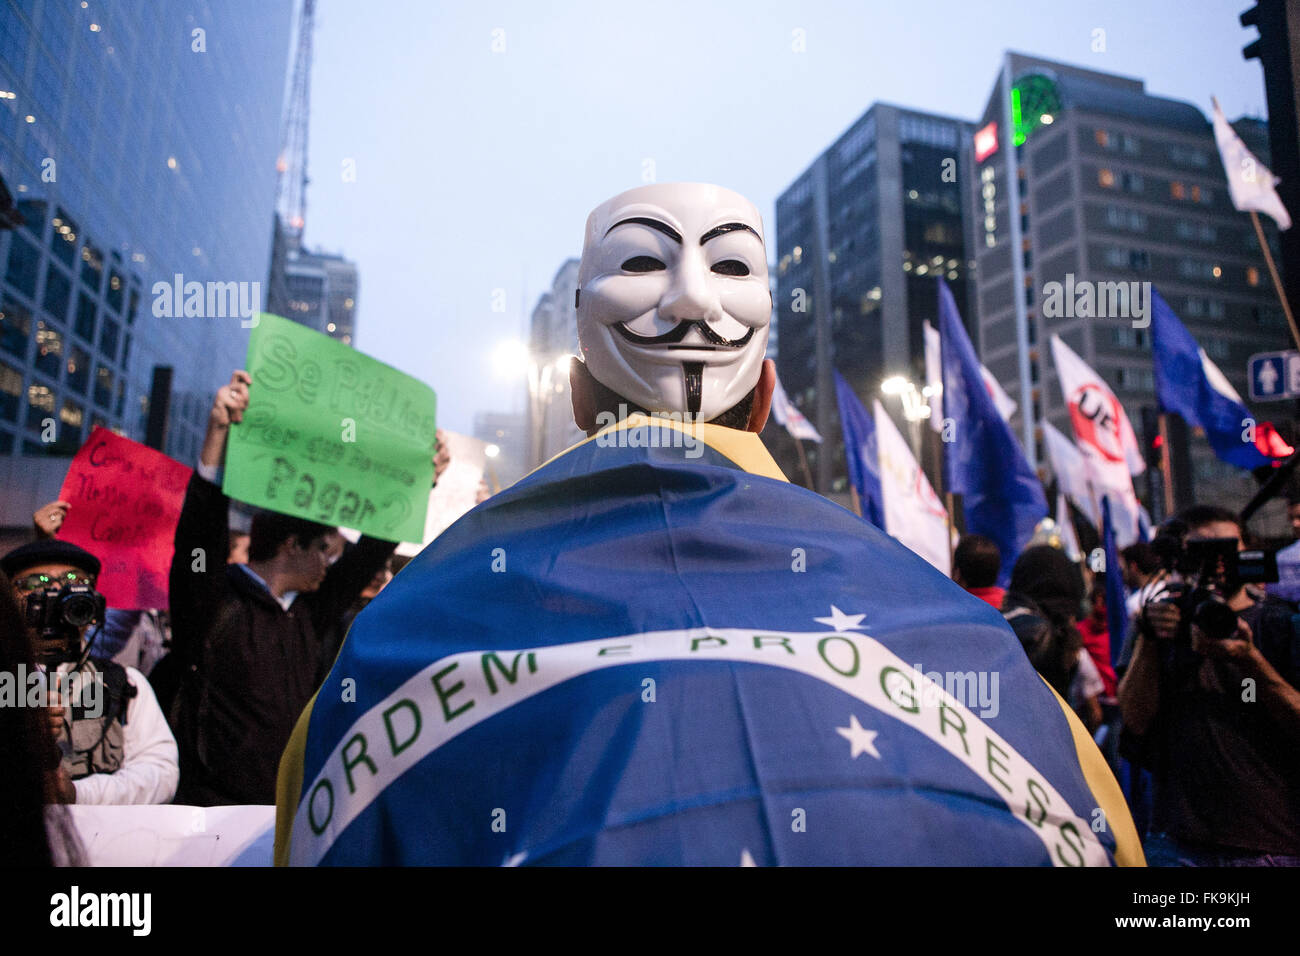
{"type": "Point", "coordinates": [332, 435]}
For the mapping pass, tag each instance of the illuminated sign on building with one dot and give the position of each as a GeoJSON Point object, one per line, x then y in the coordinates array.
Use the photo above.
{"type": "Point", "coordinates": [986, 142]}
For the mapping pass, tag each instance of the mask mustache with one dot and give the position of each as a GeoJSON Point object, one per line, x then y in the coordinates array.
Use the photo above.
{"type": "Point", "coordinates": [677, 333]}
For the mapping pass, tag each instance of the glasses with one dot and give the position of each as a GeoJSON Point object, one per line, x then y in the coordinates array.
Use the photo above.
{"type": "Point", "coordinates": [37, 582]}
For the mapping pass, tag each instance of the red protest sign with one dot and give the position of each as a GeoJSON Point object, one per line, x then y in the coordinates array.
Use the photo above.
{"type": "Point", "coordinates": [124, 501]}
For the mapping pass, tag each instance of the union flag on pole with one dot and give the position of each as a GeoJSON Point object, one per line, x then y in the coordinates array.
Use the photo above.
{"type": "Point", "coordinates": [1104, 435]}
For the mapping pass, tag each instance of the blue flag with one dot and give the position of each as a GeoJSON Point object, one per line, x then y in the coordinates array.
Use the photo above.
{"type": "Point", "coordinates": [1116, 593]}
{"type": "Point", "coordinates": [650, 651]}
{"type": "Point", "coordinates": [1001, 496]}
{"type": "Point", "coordinates": [860, 452]}
{"type": "Point", "coordinates": [1189, 383]}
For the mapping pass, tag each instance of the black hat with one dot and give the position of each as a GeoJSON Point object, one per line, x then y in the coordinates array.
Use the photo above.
{"type": "Point", "coordinates": [48, 551]}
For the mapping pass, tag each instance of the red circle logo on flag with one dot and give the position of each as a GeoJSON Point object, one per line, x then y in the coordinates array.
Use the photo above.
{"type": "Point", "coordinates": [1095, 416]}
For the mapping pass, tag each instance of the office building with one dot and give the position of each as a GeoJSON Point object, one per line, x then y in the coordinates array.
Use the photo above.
{"type": "Point", "coordinates": [1084, 177]}
{"type": "Point", "coordinates": [860, 237]}
{"type": "Point", "coordinates": [139, 144]}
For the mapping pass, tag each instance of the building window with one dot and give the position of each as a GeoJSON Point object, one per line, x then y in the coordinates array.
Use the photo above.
{"type": "Point", "coordinates": [78, 370]}
{"type": "Point", "coordinates": [15, 328]}
{"type": "Point", "coordinates": [108, 337]}
{"type": "Point", "coordinates": [1103, 138]}
{"type": "Point", "coordinates": [1131, 182]}
{"type": "Point", "coordinates": [1120, 218]}
{"type": "Point", "coordinates": [92, 268]}
{"type": "Point", "coordinates": [1177, 190]}
{"type": "Point", "coordinates": [1106, 178]}
{"type": "Point", "coordinates": [49, 351]}
{"type": "Point", "coordinates": [58, 289]}
{"type": "Point", "coordinates": [1252, 275]}
{"type": "Point", "coordinates": [11, 392]}
{"type": "Point", "coordinates": [85, 321]}
{"type": "Point", "coordinates": [72, 415]}
{"type": "Point", "coordinates": [104, 387]}
{"type": "Point", "coordinates": [1130, 144]}
{"type": "Point", "coordinates": [24, 259]}
{"type": "Point", "coordinates": [40, 405]}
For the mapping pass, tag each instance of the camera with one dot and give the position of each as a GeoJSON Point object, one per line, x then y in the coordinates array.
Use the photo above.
{"type": "Point", "coordinates": [1204, 574]}
{"type": "Point", "coordinates": [57, 615]}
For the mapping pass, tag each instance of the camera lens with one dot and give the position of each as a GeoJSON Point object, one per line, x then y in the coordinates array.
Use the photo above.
{"type": "Point", "coordinates": [78, 609]}
{"type": "Point", "coordinates": [1215, 619]}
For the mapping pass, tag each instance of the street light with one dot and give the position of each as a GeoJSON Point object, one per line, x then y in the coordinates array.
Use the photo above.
{"type": "Point", "coordinates": [544, 376]}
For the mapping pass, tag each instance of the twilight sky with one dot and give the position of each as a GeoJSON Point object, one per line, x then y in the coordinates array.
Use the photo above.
{"type": "Point", "coordinates": [475, 169]}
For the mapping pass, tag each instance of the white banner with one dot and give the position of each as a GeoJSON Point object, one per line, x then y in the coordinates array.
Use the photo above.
{"type": "Point", "coordinates": [1071, 471]}
{"type": "Point", "coordinates": [168, 835]}
{"type": "Point", "coordinates": [913, 512]}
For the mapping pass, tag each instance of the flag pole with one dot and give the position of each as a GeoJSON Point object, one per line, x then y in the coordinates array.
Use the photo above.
{"type": "Point", "coordinates": [1166, 469]}
{"type": "Point", "coordinates": [1277, 281]}
{"type": "Point", "coordinates": [857, 502]}
{"type": "Point", "coordinates": [803, 462]}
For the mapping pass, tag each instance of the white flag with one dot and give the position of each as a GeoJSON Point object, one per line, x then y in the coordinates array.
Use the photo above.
{"type": "Point", "coordinates": [1249, 181]}
{"type": "Point", "coordinates": [793, 420]}
{"type": "Point", "coordinates": [934, 375]}
{"type": "Point", "coordinates": [1104, 436]}
{"type": "Point", "coordinates": [1071, 471]}
{"type": "Point", "coordinates": [1069, 540]}
{"type": "Point", "coordinates": [1004, 403]}
{"type": "Point", "coordinates": [913, 512]}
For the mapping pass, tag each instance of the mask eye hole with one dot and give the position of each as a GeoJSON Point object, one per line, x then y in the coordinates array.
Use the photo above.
{"type": "Point", "coordinates": [642, 264]}
{"type": "Point", "coordinates": [731, 267]}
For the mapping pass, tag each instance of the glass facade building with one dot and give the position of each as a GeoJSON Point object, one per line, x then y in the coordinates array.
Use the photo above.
{"type": "Point", "coordinates": [861, 236]}
{"type": "Point", "coordinates": [139, 141]}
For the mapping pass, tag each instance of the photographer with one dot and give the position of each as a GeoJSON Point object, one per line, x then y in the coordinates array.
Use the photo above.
{"type": "Point", "coordinates": [117, 748]}
{"type": "Point", "coordinates": [1210, 705]}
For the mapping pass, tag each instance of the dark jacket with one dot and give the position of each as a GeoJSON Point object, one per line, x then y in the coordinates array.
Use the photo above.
{"type": "Point", "coordinates": [249, 667]}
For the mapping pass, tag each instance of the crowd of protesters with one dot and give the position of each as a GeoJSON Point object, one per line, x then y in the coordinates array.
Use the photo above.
{"type": "Point", "coordinates": [1202, 729]}
{"type": "Point", "coordinates": [201, 696]}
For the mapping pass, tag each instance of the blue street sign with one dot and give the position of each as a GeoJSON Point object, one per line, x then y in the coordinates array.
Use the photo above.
{"type": "Point", "coordinates": [1274, 376]}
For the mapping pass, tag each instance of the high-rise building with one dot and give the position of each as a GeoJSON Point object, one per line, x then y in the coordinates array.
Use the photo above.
{"type": "Point", "coordinates": [553, 335]}
{"type": "Point", "coordinates": [860, 237]}
{"type": "Point", "coordinates": [1085, 179]}
{"type": "Point", "coordinates": [139, 143]}
{"type": "Point", "coordinates": [319, 291]}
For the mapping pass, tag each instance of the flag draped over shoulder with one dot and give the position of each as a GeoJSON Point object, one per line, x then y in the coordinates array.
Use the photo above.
{"type": "Point", "coordinates": [1002, 497]}
{"type": "Point", "coordinates": [860, 451]}
{"type": "Point", "coordinates": [1189, 383]}
{"type": "Point", "coordinates": [654, 654]}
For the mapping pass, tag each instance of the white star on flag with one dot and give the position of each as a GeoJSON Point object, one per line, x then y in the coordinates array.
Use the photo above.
{"type": "Point", "coordinates": [841, 621]}
{"type": "Point", "coordinates": [862, 741]}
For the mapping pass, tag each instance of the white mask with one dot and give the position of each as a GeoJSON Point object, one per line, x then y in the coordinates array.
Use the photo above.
{"type": "Point", "coordinates": [674, 316]}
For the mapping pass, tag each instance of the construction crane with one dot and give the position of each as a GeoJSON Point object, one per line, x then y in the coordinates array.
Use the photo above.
{"type": "Point", "coordinates": [291, 193]}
